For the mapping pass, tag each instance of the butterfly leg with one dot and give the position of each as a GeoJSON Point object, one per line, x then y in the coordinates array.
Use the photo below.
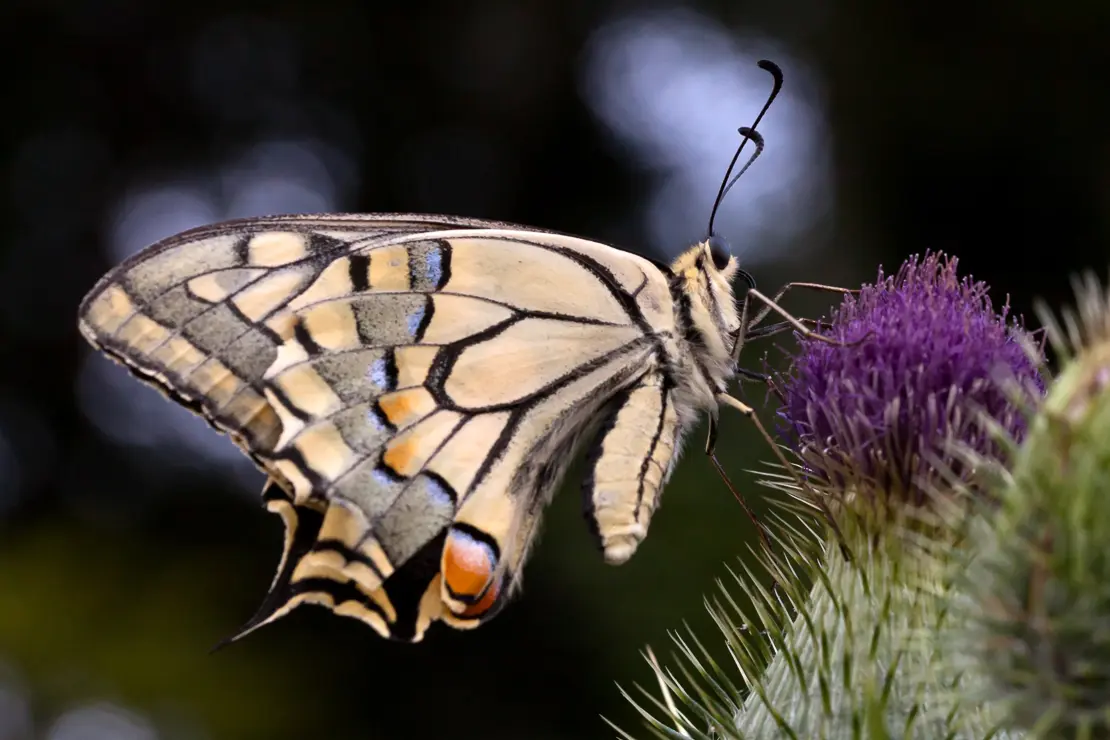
{"type": "Point", "coordinates": [630, 461]}
{"type": "Point", "coordinates": [749, 412]}
{"type": "Point", "coordinates": [763, 312]}
{"type": "Point", "coordinates": [791, 321]}
{"type": "Point", "coordinates": [771, 330]}
{"type": "Point", "coordinates": [748, 331]}
{"type": "Point", "coordinates": [711, 451]}
{"type": "Point", "coordinates": [760, 333]}
{"type": "Point", "coordinates": [763, 378]}
{"type": "Point", "coordinates": [792, 470]}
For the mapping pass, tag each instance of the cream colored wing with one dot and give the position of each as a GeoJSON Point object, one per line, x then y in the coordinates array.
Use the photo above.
{"type": "Point", "coordinates": [412, 385]}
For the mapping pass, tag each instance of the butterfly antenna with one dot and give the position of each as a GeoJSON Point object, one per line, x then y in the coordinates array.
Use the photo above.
{"type": "Point", "coordinates": [748, 132]}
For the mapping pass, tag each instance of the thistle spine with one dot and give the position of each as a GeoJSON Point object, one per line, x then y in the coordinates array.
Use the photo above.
{"type": "Point", "coordinates": [982, 616]}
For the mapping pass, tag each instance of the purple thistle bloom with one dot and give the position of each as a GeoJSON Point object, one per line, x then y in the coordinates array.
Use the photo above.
{"type": "Point", "coordinates": [881, 411]}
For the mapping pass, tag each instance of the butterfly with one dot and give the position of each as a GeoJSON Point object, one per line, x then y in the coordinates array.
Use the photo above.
{"type": "Point", "coordinates": [414, 387]}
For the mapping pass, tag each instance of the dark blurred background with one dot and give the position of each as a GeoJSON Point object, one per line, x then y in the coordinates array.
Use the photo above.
{"type": "Point", "coordinates": [131, 536]}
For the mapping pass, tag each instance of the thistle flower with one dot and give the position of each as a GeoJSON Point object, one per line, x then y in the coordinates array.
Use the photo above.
{"type": "Point", "coordinates": [902, 410]}
{"type": "Point", "coordinates": [922, 354]}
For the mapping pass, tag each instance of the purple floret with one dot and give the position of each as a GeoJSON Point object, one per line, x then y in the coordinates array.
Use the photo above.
{"type": "Point", "coordinates": [877, 410]}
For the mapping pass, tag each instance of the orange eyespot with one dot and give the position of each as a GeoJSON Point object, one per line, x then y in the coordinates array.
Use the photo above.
{"type": "Point", "coordinates": [468, 565]}
{"type": "Point", "coordinates": [484, 604]}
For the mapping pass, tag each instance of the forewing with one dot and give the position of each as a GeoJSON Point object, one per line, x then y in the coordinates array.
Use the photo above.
{"type": "Point", "coordinates": [392, 375]}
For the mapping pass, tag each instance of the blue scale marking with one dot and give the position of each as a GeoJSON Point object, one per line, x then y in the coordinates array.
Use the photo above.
{"type": "Point", "coordinates": [378, 373]}
{"type": "Point", "coordinates": [383, 478]}
{"type": "Point", "coordinates": [415, 318]}
{"type": "Point", "coordinates": [439, 494]}
{"type": "Point", "coordinates": [433, 266]}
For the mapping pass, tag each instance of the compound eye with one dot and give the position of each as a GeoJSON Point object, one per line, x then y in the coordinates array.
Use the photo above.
{"type": "Point", "coordinates": [719, 251]}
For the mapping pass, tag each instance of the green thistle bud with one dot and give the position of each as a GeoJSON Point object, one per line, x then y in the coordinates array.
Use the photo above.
{"type": "Point", "coordinates": [1032, 613]}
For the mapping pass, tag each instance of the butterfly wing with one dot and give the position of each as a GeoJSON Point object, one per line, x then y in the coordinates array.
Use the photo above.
{"type": "Point", "coordinates": [412, 385]}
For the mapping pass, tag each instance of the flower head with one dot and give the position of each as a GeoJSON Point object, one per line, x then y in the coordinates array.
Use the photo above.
{"type": "Point", "coordinates": [919, 359]}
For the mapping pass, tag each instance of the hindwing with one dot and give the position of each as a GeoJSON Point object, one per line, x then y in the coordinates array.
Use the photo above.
{"type": "Point", "coordinates": [411, 385]}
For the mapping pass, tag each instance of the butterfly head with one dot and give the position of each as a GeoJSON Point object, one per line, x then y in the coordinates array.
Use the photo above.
{"type": "Point", "coordinates": [721, 257]}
